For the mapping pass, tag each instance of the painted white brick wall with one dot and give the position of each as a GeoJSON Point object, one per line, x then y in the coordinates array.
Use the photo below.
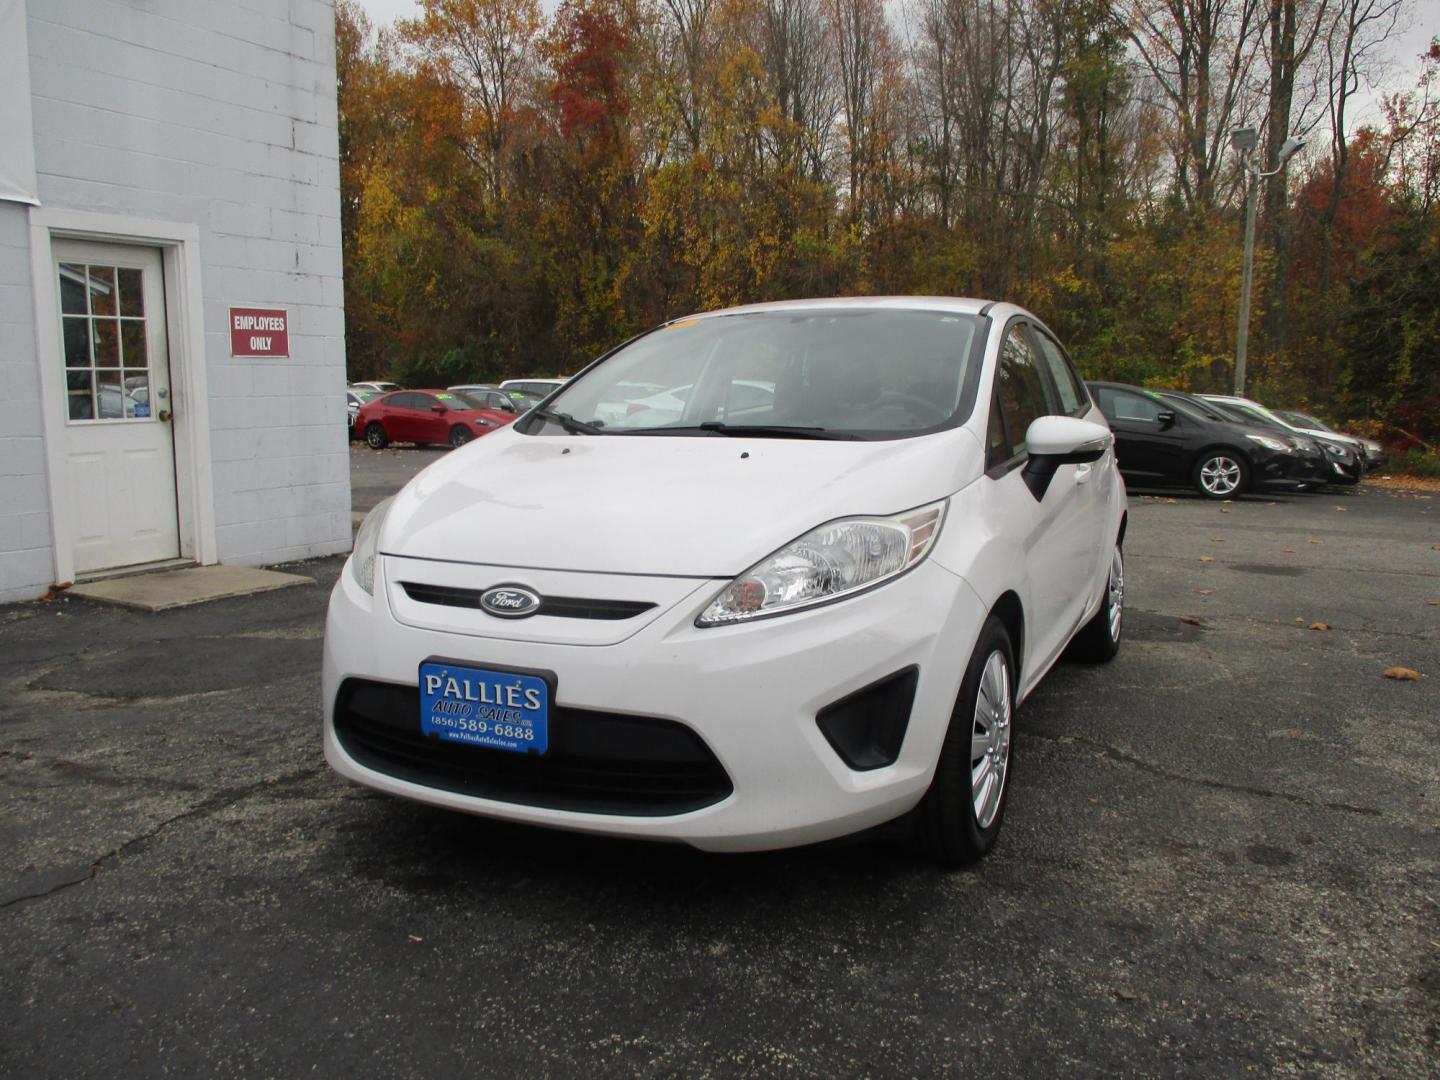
{"type": "Point", "coordinates": [26, 558]}
{"type": "Point", "coordinates": [222, 113]}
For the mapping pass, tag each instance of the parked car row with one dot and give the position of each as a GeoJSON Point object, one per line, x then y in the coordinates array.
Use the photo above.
{"type": "Point", "coordinates": [1224, 446]}
{"type": "Point", "coordinates": [392, 421]}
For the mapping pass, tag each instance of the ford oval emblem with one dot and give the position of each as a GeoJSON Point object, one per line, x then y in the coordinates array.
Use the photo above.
{"type": "Point", "coordinates": [510, 601]}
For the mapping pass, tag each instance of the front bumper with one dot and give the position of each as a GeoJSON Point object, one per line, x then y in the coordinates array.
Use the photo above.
{"type": "Point", "coordinates": [749, 693]}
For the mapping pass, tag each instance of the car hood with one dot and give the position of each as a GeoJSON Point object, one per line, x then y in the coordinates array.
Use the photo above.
{"type": "Point", "coordinates": [705, 506]}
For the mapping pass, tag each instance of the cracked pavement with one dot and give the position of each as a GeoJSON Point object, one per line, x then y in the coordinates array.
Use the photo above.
{"type": "Point", "coordinates": [1221, 855]}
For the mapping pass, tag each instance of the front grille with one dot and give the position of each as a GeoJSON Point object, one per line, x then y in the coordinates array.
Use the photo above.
{"type": "Point", "coordinates": [561, 607]}
{"type": "Point", "coordinates": [597, 762]}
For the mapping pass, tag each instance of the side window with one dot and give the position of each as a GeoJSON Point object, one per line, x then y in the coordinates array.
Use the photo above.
{"type": "Point", "coordinates": [1105, 398]}
{"type": "Point", "coordinates": [1072, 395]}
{"type": "Point", "coordinates": [1134, 407]}
{"type": "Point", "coordinates": [1021, 388]}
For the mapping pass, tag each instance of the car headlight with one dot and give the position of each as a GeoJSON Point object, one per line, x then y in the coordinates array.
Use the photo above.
{"type": "Point", "coordinates": [1270, 444]}
{"type": "Point", "coordinates": [837, 559]}
{"type": "Point", "coordinates": [1331, 448]}
{"type": "Point", "coordinates": [362, 556]}
{"type": "Point", "coordinates": [483, 424]}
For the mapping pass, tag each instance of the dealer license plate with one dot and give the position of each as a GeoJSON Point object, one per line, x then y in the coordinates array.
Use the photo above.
{"type": "Point", "coordinates": [502, 710]}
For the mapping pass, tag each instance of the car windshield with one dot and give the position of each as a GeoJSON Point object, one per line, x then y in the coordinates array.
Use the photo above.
{"type": "Point", "coordinates": [462, 400]}
{"type": "Point", "coordinates": [1245, 415]}
{"type": "Point", "coordinates": [820, 373]}
{"type": "Point", "coordinates": [1304, 420]}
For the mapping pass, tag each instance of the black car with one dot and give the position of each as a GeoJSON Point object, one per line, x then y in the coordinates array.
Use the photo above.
{"type": "Point", "coordinates": [1337, 462]}
{"type": "Point", "coordinates": [1165, 438]}
{"type": "Point", "coordinates": [1309, 466]}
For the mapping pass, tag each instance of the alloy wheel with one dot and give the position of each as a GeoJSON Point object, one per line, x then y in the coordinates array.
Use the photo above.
{"type": "Point", "coordinates": [990, 739]}
{"type": "Point", "coordinates": [1220, 475]}
{"type": "Point", "coordinates": [1117, 593]}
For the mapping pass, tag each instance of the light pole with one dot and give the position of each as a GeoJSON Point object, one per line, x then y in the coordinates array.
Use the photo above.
{"type": "Point", "coordinates": [1244, 140]}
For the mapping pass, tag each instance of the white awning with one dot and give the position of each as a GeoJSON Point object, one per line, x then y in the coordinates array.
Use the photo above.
{"type": "Point", "coordinates": [17, 136]}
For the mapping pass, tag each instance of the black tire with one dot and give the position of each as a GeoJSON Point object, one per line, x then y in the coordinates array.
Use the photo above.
{"type": "Point", "coordinates": [1098, 641]}
{"type": "Point", "coordinates": [375, 436]}
{"type": "Point", "coordinates": [460, 435]}
{"type": "Point", "coordinates": [948, 828]}
{"type": "Point", "coordinates": [1221, 474]}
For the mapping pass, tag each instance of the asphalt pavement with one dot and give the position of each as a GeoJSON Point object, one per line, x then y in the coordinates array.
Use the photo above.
{"type": "Point", "coordinates": [1220, 857]}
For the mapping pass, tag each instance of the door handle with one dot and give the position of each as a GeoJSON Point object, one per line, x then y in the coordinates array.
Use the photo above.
{"type": "Point", "coordinates": [164, 415]}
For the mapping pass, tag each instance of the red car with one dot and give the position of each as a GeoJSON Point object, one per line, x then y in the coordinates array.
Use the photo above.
{"type": "Point", "coordinates": [428, 416]}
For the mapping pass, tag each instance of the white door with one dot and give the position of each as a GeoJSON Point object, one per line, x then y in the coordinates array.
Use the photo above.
{"type": "Point", "coordinates": [1059, 531]}
{"type": "Point", "coordinates": [119, 444]}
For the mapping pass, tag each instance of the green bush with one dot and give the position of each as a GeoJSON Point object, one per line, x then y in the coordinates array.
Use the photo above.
{"type": "Point", "coordinates": [1415, 462]}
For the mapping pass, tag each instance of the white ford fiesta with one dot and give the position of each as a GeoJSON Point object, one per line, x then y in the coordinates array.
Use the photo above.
{"type": "Point", "coordinates": [774, 618]}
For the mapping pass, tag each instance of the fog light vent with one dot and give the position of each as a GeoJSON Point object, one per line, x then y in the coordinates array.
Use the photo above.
{"type": "Point", "coordinates": [867, 728]}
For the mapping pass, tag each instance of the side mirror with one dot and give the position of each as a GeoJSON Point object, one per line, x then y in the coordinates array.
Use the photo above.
{"type": "Point", "coordinates": [1053, 441]}
{"type": "Point", "coordinates": [1166, 419]}
{"type": "Point", "coordinates": [507, 405]}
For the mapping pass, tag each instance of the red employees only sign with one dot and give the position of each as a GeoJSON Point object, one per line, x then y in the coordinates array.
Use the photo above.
{"type": "Point", "coordinates": [259, 331]}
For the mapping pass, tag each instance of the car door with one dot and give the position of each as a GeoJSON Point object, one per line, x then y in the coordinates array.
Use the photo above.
{"type": "Point", "coordinates": [1149, 440]}
{"type": "Point", "coordinates": [400, 417]}
{"type": "Point", "coordinates": [432, 422]}
{"type": "Point", "coordinates": [1056, 534]}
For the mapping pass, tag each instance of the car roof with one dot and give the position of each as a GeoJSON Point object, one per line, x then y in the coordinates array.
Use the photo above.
{"type": "Point", "coordinates": [961, 305]}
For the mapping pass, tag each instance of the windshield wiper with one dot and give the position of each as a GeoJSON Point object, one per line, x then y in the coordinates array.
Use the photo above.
{"type": "Point", "coordinates": [747, 431]}
{"type": "Point", "coordinates": [568, 422]}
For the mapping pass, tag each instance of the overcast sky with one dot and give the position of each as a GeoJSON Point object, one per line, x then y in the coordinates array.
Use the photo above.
{"type": "Point", "coordinates": [1423, 17]}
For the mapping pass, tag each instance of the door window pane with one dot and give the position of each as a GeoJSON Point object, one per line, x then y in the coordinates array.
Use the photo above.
{"type": "Point", "coordinates": [137, 389]}
{"type": "Point", "coordinates": [77, 342]}
{"type": "Point", "coordinates": [132, 295]}
{"type": "Point", "coordinates": [132, 343]}
{"type": "Point", "coordinates": [81, 403]}
{"type": "Point", "coordinates": [107, 343]}
{"type": "Point", "coordinates": [102, 291]}
{"type": "Point", "coordinates": [1068, 386]}
{"type": "Point", "coordinates": [1134, 407]}
{"type": "Point", "coordinates": [72, 289]}
{"type": "Point", "coordinates": [1020, 387]}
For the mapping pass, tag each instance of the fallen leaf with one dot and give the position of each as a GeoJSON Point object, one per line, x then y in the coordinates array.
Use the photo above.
{"type": "Point", "coordinates": [1319, 626]}
{"type": "Point", "coordinates": [1402, 674]}
{"type": "Point", "coordinates": [1433, 603]}
{"type": "Point", "coordinates": [1315, 541]}
{"type": "Point", "coordinates": [1207, 558]}
{"type": "Point", "coordinates": [1287, 551]}
{"type": "Point", "coordinates": [1299, 622]}
{"type": "Point", "coordinates": [1193, 620]}
{"type": "Point", "coordinates": [1224, 510]}
{"type": "Point", "coordinates": [415, 937]}
{"type": "Point", "coordinates": [1217, 539]}
{"type": "Point", "coordinates": [1207, 592]}
{"type": "Point", "coordinates": [1340, 509]}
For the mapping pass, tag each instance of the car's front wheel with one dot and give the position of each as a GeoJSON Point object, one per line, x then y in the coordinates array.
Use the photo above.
{"type": "Point", "coordinates": [375, 436]}
{"type": "Point", "coordinates": [1221, 474]}
{"type": "Point", "coordinates": [959, 819]}
{"type": "Point", "coordinates": [1099, 640]}
{"type": "Point", "coordinates": [459, 436]}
